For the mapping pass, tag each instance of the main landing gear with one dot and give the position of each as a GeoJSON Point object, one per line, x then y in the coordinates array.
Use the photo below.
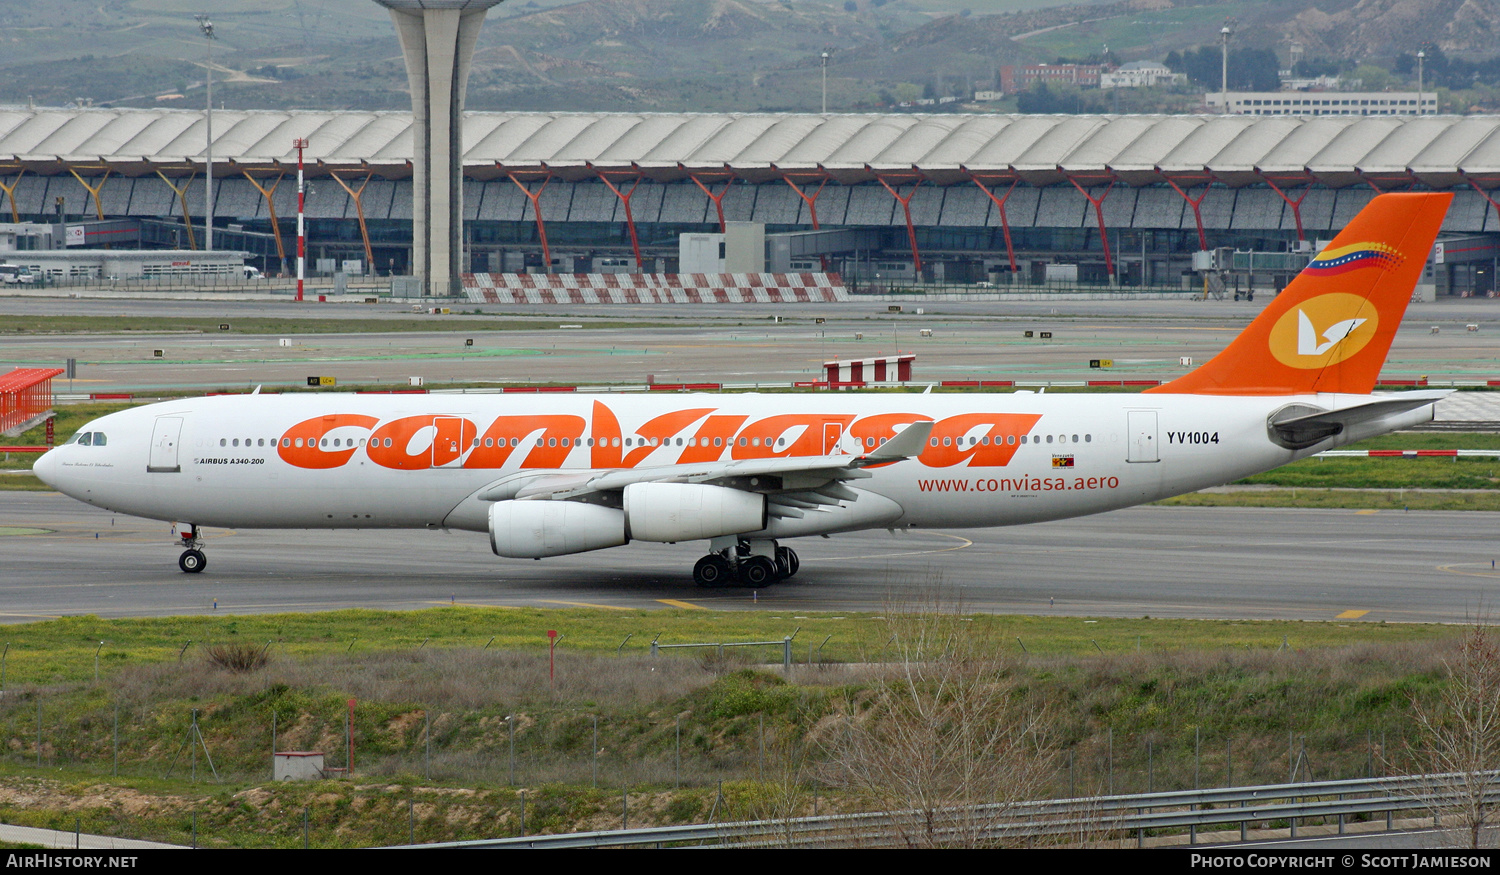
{"type": "Point", "coordinates": [192, 559]}
{"type": "Point", "coordinates": [746, 563]}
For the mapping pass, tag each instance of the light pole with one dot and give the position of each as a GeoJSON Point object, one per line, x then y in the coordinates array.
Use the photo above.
{"type": "Point", "coordinates": [1421, 56]}
{"type": "Point", "coordinates": [825, 83]}
{"type": "Point", "coordinates": [300, 143]}
{"type": "Point", "coordinates": [208, 192]}
{"type": "Point", "coordinates": [1224, 75]}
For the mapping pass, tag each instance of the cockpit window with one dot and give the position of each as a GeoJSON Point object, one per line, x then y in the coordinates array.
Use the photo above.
{"type": "Point", "coordinates": [86, 439]}
{"type": "Point", "coordinates": [99, 439]}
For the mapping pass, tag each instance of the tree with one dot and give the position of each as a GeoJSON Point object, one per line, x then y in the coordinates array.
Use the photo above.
{"type": "Point", "coordinates": [1460, 735]}
{"type": "Point", "coordinates": [946, 729]}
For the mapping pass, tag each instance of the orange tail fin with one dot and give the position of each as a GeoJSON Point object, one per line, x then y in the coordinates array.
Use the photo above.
{"type": "Point", "coordinates": [1330, 329]}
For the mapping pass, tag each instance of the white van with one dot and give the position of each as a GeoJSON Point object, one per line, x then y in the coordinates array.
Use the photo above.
{"type": "Point", "coordinates": [12, 274]}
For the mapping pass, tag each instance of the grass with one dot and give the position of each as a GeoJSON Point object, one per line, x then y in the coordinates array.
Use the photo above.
{"type": "Point", "coordinates": [257, 325]}
{"type": "Point", "coordinates": [1352, 499]}
{"type": "Point", "coordinates": [438, 705]}
{"type": "Point", "coordinates": [62, 651]}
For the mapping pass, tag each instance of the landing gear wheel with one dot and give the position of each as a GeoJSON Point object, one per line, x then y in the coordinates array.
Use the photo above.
{"type": "Point", "coordinates": [192, 561]}
{"type": "Point", "coordinates": [711, 570]}
{"type": "Point", "coordinates": [786, 561]}
{"type": "Point", "coordinates": [757, 571]}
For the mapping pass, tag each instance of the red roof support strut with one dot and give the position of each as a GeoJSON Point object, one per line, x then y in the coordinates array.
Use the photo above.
{"type": "Point", "coordinates": [718, 199]}
{"type": "Point", "coordinates": [1482, 193]}
{"type": "Point", "coordinates": [1109, 261]}
{"type": "Point", "coordinates": [1296, 205]}
{"type": "Point", "coordinates": [635, 243]}
{"type": "Point", "coordinates": [1010, 250]}
{"type": "Point", "coordinates": [812, 202]}
{"type": "Point", "coordinates": [1197, 215]}
{"type": "Point", "coordinates": [536, 210]}
{"type": "Point", "coordinates": [911, 230]}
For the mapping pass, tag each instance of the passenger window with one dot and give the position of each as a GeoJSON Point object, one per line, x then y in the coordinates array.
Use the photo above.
{"type": "Point", "coordinates": [513, 442]}
{"type": "Point", "coordinates": [1049, 438]}
{"type": "Point", "coordinates": [1088, 438]}
{"type": "Point", "coordinates": [1075, 438]}
{"type": "Point", "coordinates": [223, 442]}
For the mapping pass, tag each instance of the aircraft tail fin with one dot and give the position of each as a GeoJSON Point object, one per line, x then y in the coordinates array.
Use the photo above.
{"type": "Point", "coordinates": [1331, 328]}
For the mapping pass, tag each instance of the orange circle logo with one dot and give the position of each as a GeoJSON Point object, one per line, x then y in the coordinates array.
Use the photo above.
{"type": "Point", "coordinates": [1323, 330]}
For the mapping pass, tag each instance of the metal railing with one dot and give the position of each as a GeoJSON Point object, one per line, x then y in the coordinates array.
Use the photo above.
{"type": "Point", "coordinates": [1084, 818]}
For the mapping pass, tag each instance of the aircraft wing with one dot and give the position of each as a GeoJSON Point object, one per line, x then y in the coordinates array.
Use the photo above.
{"type": "Point", "coordinates": [790, 483]}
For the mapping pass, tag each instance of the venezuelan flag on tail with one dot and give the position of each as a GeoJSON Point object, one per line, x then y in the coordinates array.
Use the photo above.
{"type": "Point", "coordinates": [1331, 328]}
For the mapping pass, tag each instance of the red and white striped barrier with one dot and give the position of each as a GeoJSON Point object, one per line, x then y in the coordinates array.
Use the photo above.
{"type": "Point", "coordinates": [879, 369]}
{"type": "Point", "coordinates": [655, 288]}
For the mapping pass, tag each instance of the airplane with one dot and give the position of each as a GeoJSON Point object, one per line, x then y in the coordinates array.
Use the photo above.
{"type": "Point", "coordinates": [554, 474]}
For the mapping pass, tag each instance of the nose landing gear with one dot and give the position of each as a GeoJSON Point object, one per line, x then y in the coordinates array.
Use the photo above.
{"type": "Point", "coordinates": [747, 563]}
{"type": "Point", "coordinates": [192, 559]}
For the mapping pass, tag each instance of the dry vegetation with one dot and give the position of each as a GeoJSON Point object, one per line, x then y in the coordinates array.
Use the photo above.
{"type": "Point", "coordinates": [447, 737]}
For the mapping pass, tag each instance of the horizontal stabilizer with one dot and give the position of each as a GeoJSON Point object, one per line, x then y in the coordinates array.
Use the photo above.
{"type": "Point", "coordinates": [1295, 428]}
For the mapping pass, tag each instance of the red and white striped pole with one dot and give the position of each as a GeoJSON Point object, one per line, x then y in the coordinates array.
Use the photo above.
{"type": "Point", "coordinates": [301, 144]}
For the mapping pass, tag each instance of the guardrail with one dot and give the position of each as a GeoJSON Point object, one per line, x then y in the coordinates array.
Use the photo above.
{"type": "Point", "coordinates": [1084, 818]}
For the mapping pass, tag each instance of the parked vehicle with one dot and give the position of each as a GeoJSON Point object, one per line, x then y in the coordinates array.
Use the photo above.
{"type": "Point", "coordinates": [12, 274]}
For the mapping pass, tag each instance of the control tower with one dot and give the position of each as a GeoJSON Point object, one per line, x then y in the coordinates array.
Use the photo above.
{"type": "Point", "coordinates": [437, 40]}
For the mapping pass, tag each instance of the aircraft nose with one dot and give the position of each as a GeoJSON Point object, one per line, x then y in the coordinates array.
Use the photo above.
{"type": "Point", "coordinates": [46, 467]}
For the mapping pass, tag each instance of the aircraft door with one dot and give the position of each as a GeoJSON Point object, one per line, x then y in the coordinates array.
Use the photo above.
{"type": "Point", "coordinates": [449, 436]}
{"type": "Point", "coordinates": [1141, 428]}
{"type": "Point", "coordinates": [832, 431]}
{"type": "Point", "coordinates": [166, 435]}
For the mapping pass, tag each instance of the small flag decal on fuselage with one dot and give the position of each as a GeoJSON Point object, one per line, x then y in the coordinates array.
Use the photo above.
{"type": "Point", "coordinates": [1062, 461]}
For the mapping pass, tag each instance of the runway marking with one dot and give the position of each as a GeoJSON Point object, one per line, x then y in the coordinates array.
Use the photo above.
{"type": "Point", "coordinates": [23, 530]}
{"type": "Point", "coordinates": [1486, 572]}
{"type": "Point", "coordinates": [1350, 615]}
{"type": "Point", "coordinates": [452, 604]}
{"type": "Point", "coordinates": [1365, 512]}
{"type": "Point", "coordinates": [966, 543]}
{"type": "Point", "coordinates": [34, 616]}
{"type": "Point", "coordinates": [585, 605]}
{"type": "Point", "coordinates": [681, 604]}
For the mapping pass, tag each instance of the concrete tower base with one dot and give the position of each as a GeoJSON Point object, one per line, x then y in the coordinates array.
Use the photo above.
{"type": "Point", "coordinates": [437, 40]}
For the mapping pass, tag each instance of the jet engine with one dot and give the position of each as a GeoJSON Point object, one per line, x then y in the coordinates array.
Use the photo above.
{"type": "Point", "coordinates": [691, 511]}
{"type": "Point", "coordinates": [533, 529]}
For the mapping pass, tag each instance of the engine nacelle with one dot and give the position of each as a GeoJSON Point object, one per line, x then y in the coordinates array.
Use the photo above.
{"type": "Point", "coordinates": [533, 529]}
{"type": "Point", "coordinates": [691, 511]}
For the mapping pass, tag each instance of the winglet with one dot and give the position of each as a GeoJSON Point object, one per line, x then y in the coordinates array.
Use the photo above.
{"type": "Point", "coordinates": [1331, 328]}
{"type": "Point", "coordinates": [910, 442]}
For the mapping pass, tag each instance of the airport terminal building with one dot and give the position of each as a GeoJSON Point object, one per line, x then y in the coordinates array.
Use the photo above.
{"type": "Point", "coordinates": [885, 200]}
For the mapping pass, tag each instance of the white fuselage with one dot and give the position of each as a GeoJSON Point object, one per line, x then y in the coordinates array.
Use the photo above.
{"type": "Point", "coordinates": [423, 461]}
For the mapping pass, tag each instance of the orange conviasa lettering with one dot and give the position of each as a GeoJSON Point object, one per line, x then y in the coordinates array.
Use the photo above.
{"type": "Point", "coordinates": [450, 436]}
{"type": "Point", "coordinates": [607, 451]}
{"type": "Point", "coordinates": [997, 427]}
{"type": "Point", "coordinates": [766, 432]}
{"type": "Point", "coordinates": [302, 444]}
{"type": "Point", "coordinates": [721, 428]}
{"type": "Point", "coordinates": [543, 435]}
